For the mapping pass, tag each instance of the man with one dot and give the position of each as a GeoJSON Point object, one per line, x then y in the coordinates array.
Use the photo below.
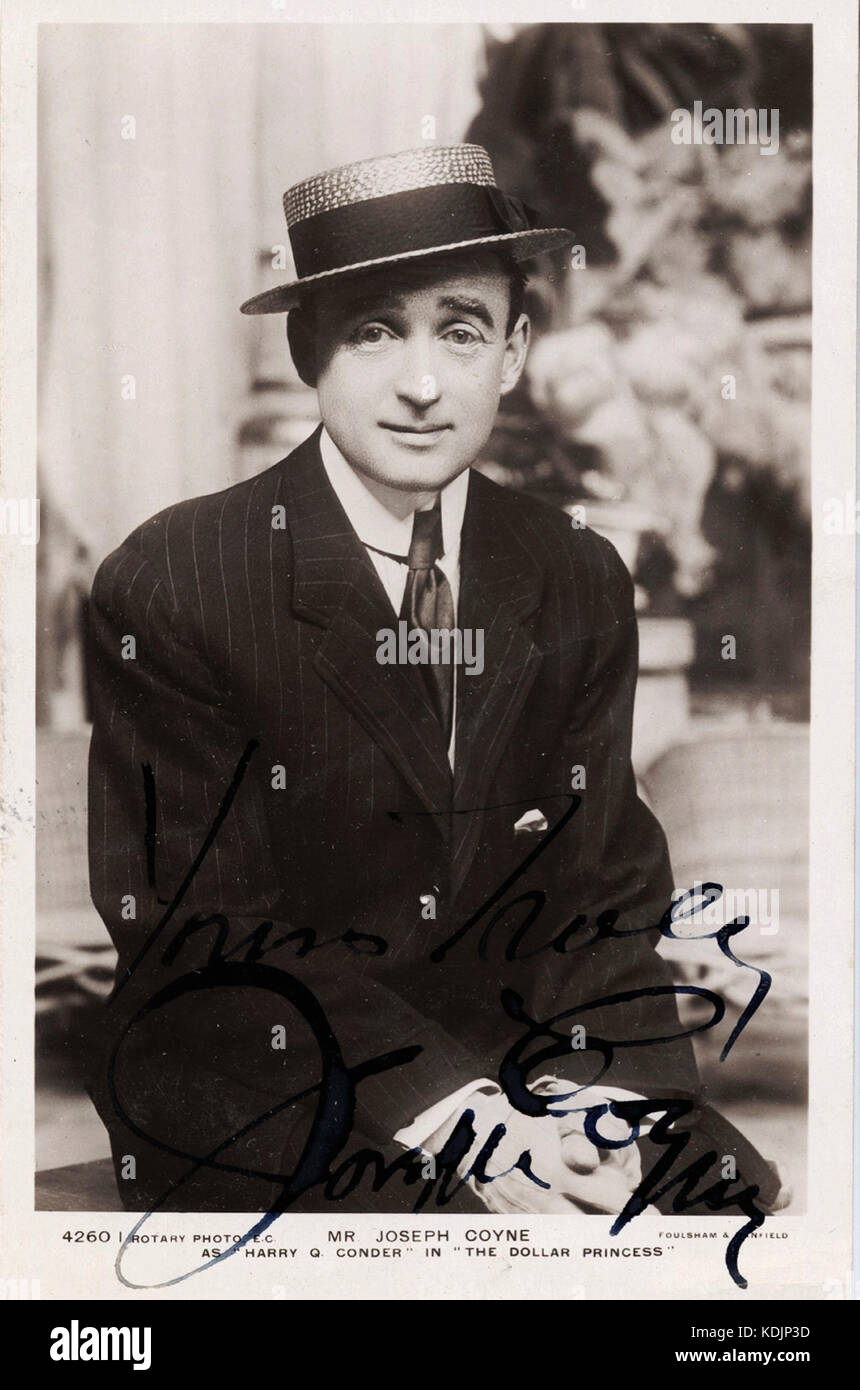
{"type": "Point", "coordinates": [363, 825]}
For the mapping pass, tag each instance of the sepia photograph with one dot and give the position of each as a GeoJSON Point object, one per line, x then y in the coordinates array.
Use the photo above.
{"type": "Point", "coordinates": [585, 328]}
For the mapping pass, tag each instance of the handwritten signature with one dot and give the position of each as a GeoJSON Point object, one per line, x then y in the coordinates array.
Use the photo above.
{"type": "Point", "coordinates": [334, 1095]}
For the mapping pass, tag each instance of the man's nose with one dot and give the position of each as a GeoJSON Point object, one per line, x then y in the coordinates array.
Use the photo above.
{"type": "Point", "coordinates": [417, 381]}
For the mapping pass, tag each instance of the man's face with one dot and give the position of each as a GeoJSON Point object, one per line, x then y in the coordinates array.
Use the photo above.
{"type": "Point", "coordinates": [411, 363]}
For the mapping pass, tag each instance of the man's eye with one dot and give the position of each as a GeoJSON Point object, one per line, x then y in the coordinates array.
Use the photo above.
{"type": "Point", "coordinates": [370, 334]}
{"type": "Point", "coordinates": [462, 337]}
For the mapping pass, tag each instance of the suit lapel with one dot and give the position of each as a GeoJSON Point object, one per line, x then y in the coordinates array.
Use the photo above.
{"type": "Point", "coordinates": [500, 587]}
{"type": "Point", "coordinates": [336, 586]}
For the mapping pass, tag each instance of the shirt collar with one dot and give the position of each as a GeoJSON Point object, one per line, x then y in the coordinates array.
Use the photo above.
{"type": "Point", "coordinates": [373, 523]}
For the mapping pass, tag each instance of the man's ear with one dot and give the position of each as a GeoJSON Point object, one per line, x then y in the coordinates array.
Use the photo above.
{"type": "Point", "coordinates": [516, 350]}
{"type": "Point", "coordinates": [300, 337]}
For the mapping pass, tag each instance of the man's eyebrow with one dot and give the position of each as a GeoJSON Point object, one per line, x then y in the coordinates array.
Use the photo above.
{"type": "Point", "coordinates": [372, 300]}
{"type": "Point", "coordinates": [382, 301]}
{"type": "Point", "coordinates": [462, 304]}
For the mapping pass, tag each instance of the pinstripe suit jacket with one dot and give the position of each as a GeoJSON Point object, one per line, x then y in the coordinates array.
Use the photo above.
{"type": "Point", "coordinates": [253, 614]}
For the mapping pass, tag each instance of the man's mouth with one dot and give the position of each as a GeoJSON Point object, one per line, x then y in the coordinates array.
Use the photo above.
{"type": "Point", "coordinates": [415, 429]}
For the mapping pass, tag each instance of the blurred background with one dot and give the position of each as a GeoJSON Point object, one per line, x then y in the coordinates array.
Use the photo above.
{"type": "Point", "coordinates": [666, 404]}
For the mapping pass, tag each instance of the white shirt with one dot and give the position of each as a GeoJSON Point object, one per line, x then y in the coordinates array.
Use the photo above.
{"type": "Point", "coordinates": [379, 530]}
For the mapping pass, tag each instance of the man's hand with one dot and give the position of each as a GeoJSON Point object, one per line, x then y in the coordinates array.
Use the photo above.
{"type": "Point", "coordinates": [599, 1179]}
{"type": "Point", "coordinates": [572, 1172]}
{"type": "Point", "coordinates": [507, 1187]}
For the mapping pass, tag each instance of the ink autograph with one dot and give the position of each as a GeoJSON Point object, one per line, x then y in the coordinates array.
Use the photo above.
{"type": "Point", "coordinates": [335, 1092]}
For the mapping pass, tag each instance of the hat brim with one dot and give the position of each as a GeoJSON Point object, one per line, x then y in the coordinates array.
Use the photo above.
{"type": "Point", "coordinates": [519, 246]}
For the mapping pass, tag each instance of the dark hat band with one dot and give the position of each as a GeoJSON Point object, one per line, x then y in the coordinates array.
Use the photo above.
{"type": "Point", "coordinates": [394, 225]}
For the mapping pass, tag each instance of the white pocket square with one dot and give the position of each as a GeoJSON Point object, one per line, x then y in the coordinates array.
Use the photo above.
{"type": "Point", "coordinates": [533, 822]}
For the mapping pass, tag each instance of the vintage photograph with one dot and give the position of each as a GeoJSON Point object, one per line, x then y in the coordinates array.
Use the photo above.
{"type": "Point", "coordinates": [423, 612]}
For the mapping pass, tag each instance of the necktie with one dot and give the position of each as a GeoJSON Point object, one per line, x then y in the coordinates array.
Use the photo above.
{"type": "Point", "coordinates": [428, 603]}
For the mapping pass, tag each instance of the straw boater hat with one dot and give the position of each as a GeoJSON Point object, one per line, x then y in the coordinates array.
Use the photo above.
{"type": "Point", "coordinates": [398, 207]}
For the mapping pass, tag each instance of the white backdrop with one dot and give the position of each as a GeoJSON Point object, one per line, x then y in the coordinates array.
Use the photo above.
{"type": "Point", "coordinates": [149, 244]}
